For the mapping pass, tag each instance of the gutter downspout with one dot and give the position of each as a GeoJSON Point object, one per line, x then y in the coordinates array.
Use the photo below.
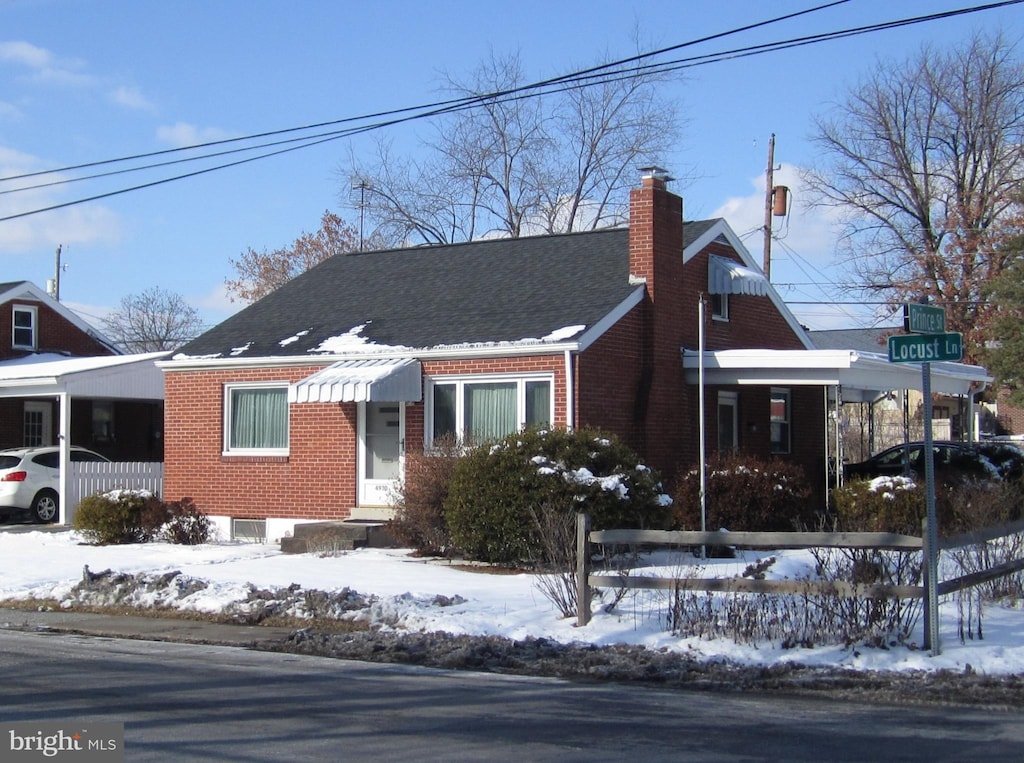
{"type": "Point", "coordinates": [570, 402]}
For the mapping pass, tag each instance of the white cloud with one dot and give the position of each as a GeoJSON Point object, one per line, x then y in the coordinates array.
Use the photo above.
{"type": "Point", "coordinates": [44, 67]}
{"type": "Point", "coordinates": [215, 305]}
{"type": "Point", "coordinates": [26, 54]}
{"type": "Point", "coordinates": [804, 267]}
{"type": "Point", "coordinates": [90, 223]}
{"type": "Point", "coordinates": [9, 111]}
{"type": "Point", "coordinates": [808, 232]}
{"type": "Point", "coordinates": [131, 98]}
{"type": "Point", "coordinates": [183, 134]}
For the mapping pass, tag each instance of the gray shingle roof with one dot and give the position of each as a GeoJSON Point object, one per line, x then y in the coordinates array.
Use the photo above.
{"type": "Point", "coordinates": [491, 291]}
{"type": "Point", "coordinates": [862, 340]}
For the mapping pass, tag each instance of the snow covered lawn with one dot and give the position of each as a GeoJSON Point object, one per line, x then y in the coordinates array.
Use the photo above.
{"type": "Point", "coordinates": [426, 596]}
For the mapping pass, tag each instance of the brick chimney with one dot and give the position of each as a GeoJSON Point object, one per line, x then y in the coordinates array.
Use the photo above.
{"type": "Point", "coordinates": [656, 258]}
{"type": "Point", "coordinates": [655, 229]}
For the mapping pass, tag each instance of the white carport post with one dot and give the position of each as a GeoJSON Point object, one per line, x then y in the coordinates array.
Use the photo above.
{"type": "Point", "coordinates": [66, 512]}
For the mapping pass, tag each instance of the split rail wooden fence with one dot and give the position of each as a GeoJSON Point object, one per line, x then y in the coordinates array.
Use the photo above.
{"type": "Point", "coordinates": [587, 580]}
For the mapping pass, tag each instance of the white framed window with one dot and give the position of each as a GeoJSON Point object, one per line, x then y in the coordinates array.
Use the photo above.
{"type": "Point", "coordinates": [24, 327]}
{"type": "Point", "coordinates": [780, 412]}
{"type": "Point", "coordinates": [256, 419]}
{"type": "Point", "coordinates": [481, 408]}
{"type": "Point", "coordinates": [720, 307]}
{"type": "Point", "coordinates": [728, 432]}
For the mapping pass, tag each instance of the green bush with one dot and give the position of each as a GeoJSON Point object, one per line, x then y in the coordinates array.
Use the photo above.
{"type": "Point", "coordinates": [745, 492]}
{"type": "Point", "coordinates": [898, 505]}
{"type": "Point", "coordinates": [891, 504]}
{"type": "Point", "coordinates": [137, 516]}
{"type": "Point", "coordinates": [419, 520]}
{"type": "Point", "coordinates": [496, 490]}
{"type": "Point", "coordinates": [116, 517]}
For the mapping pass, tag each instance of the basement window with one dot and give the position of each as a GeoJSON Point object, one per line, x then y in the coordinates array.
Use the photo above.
{"type": "Point", "coordinates": [249, 530]}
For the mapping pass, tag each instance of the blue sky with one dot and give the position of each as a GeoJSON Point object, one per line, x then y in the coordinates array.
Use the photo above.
{"type": "Point", "coordinates": [84, 81]}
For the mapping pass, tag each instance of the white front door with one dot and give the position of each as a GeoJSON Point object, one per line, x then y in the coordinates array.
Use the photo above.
{"type": "Point", "coordinates": [381, 452]}
{"type": "Point", "coordinates": [38, 423]}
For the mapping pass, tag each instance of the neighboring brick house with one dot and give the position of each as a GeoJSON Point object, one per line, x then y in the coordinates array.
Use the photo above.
{"type": "Point", "coordinates": [303, 406]}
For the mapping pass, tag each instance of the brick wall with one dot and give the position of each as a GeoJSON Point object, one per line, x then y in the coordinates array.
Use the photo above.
{"type": "Point", "coordinates": [317, 480]}
{"type": "Point", "coordinates": [610, 385]}
{"type": "Point", "coordinates": [753, 323]}
{"type": "Point", "coordinates": [54, 332]}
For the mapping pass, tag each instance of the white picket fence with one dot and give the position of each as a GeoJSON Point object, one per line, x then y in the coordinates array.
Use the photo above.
{"type": "Point", "coordinates": [89, 477]}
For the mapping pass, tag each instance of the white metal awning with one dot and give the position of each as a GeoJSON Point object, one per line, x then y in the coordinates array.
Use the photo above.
{"type": "Point", "coordinates": [730, 277]}
{"type": "Point", "coordinates": [362, 381]}
{"type": "Point", "coordinates": [862, 375]}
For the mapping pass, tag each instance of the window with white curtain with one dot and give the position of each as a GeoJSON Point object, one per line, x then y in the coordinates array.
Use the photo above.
{"type": "Point", "coordinates": [256, 419]}
{"type": "Point", "coordinates": [479, 409]}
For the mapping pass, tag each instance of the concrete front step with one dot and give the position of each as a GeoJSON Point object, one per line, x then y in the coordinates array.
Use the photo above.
{"type": "Point", "coordinates": [329, 537]}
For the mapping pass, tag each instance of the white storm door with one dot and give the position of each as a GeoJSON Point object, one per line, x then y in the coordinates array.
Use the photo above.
{"type": "Point", "coordinates": [38, 426]}
{"type": "Point", "coordinates": [381, 451]}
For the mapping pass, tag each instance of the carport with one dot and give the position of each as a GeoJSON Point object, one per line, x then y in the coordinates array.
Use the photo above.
{"type": "Point", "coordinates": [64, 379]}
{"type": "Point", "coordinates": [843, 375]}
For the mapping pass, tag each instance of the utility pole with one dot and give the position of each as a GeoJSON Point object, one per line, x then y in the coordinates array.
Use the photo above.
{"type": "Point", "coordinates": [362, 186]}
{"type": "Point", "coordinates": [769, 192]}
{"type": "Point", "coordinates": [56, 275]}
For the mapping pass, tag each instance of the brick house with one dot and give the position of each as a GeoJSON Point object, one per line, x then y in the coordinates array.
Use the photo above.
{"type": "Point", "coordinates": [304, 405]}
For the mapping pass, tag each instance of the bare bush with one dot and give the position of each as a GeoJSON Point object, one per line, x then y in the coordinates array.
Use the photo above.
{"type": "Point", "coordinates": [419, 520]}
{"type": "Point", "coordinates": [556, 529]}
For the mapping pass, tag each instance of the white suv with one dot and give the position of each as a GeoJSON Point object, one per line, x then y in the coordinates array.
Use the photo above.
{"type": "Point", "coordinates": [29, 479]}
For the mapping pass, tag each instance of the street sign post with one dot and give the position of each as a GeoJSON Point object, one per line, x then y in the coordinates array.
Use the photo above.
{"type": "Point", "coordinates": [925, 348]}
{"type": "Point", "coordinates": [926, 343]}
{"type": "Point", "coordinates": [923, 319]}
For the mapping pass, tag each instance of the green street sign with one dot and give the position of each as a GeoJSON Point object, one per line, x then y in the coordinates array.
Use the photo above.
{"type": "Point", "coordinates": [925, 348]}
{"type": "Point", "coordinates": [923, 319]}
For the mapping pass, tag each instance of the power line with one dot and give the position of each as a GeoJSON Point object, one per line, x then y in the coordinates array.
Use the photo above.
{"type": "Point", "coordinates": [609, 72]}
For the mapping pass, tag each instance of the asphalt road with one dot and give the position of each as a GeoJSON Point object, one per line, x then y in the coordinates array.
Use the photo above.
{"type": "Point", "coordinates": [188, 702]}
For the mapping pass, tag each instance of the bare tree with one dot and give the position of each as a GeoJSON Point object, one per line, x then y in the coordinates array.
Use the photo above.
{"type": "Point", "coordinates": [523, 163]}
{"type": "Point", "coordinates": [1005, 349]}
{"type": "Point", "coordinates": [259, 273]}
{"type": "Point", "coordinates": [922, 157]}
{"type": "Point", "coordinates": [152, 321]}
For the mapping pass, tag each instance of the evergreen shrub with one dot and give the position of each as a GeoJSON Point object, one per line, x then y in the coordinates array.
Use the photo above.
{"type": "Point", "coordinates": [116, 517]}
{"type": "Point", "coordinates": [497, 489]}
{"type": "Point", "coordinates": [138, 516]}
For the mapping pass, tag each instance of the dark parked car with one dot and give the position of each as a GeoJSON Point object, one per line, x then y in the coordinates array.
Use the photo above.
{"type": "Point", "coordinates": [986, 460]}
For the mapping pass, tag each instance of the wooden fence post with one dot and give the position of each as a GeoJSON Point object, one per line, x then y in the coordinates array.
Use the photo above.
{"type": "Point", "coordinates": [582, 569]}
